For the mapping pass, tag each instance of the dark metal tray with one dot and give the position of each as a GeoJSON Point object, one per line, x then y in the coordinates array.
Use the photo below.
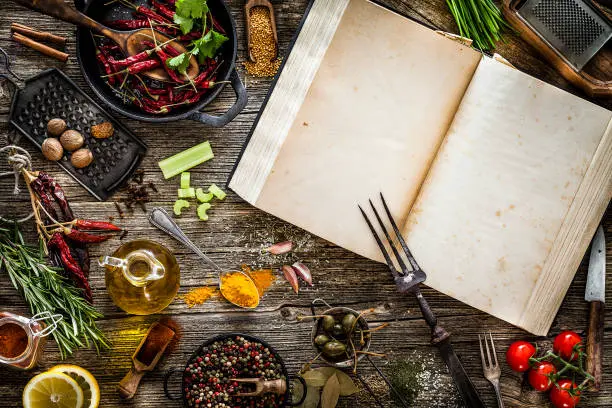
{"type": "Point", "coordinates": [52, 94]}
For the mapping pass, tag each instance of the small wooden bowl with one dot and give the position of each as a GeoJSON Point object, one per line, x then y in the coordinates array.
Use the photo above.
{"type": "Point", "coordinates": [250, 4]}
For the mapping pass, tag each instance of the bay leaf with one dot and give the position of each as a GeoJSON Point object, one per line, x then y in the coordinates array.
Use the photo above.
{"type": "Point", "coordinates": [347, 386]}
{"type": "Point", "coordinates": [331, 392]}
{"type": "Point", "coordinates": [315, 378]}
{"type": "Point", "coordinates": [327, 371]}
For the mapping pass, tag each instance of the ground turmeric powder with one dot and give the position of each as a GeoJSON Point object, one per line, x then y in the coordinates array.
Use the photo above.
{"type": "Point", "coordinates": [199, 295]}
{"type": "Point", "coordinates": [263, 278]}
{"type": "Point", "coordinates": [239, 289]}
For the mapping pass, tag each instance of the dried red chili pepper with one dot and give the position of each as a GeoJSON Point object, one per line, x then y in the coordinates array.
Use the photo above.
{"type": "Point", "coordinates": [106, 65]}
{"type": "Point", "coordinates": [96, 225]}
{"type": "Point", "coordinates": [85, 237]}
{"type": "Point", "coordinates": [128, 24]}
{"type": "Point", "coordinates": [171, 73]}
{"type": "Point", "coordinates": [162, 9]}
{"type": "Point", "coordinates": [43, 195]}
{"type": "Point", "coordinates": [147, 12]}
{"type": "Point", "coordinates": [58, 193]}
{"type": "Point", "coordinates": [71, 267]}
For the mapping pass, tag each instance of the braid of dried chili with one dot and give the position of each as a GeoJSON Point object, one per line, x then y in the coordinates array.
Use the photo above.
{"type": "Point", "coordinates": [58, 193]}
{"type": "Point", "coordinates": [43, 195]}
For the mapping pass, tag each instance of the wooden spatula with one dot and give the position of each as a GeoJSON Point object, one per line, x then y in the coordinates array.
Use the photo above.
{"type": "Point", "coordinates": [145, 358]}
{"type": "Point", "coordinates": [130, 42]}
{"type": "Point", "coordinates": [247, 10]}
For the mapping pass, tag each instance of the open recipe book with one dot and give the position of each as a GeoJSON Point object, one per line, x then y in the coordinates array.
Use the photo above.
{"type": "Point", "coordinates": [499, 179]}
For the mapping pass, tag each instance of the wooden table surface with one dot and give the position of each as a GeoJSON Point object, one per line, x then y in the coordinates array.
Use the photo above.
{"type": "Point", "coordinates": [236, 233]}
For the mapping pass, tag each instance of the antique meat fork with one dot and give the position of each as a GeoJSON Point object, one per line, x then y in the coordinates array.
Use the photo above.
{"type": "Point", "coordinates": [408, 281]}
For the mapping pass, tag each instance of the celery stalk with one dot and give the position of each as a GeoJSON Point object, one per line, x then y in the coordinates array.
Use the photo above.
{"type": "Point", "coordinates": [179, 205]}
{"type": "Point", "coordinates": [186, 192]}
{"type": "Point", "coordinates": [202, 196]}
{"type": "Point", "coordinates": [202, 208]}
{"type": "Point", "coordinates": [217, 192]}
{"type": "Point", "coordinates": [185, 179]}
{"type": "Point", "coordinates": [186, 159]}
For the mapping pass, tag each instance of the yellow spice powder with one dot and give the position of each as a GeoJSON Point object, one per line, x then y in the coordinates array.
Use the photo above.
{"type": "Point", "coordinates": [263, 47]}
{"type": "Point", "coordinates": [237, 288]}
{"type": "Point", "coordinates": [198, 296]}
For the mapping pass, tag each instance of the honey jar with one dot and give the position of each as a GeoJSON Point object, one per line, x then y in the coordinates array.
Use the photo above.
{"type": "Point", "coordinates": [22, 339]}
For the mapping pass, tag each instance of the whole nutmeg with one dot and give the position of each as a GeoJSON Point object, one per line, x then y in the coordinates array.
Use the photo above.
{"type": "Point", "coordinates": [102, 130]}
{"type": "Point", "coordinates": [71, 140]}
{"type": "Point", "coordinates": [52, 149]}
{"type": "Point", "coordinates": [81, 158]}
{"type": "Point", "coordinates": [56, 127]}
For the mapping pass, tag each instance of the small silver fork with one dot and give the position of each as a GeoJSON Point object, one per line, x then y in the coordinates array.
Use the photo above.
{"type": "Point", "coordinates": [491, 368]}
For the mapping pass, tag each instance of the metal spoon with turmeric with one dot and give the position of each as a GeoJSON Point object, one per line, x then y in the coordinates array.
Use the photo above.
{"type": "Point", "coordinates": [236, 286]}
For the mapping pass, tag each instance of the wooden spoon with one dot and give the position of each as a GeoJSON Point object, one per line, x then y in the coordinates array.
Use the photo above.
{"type": "Point", "coordinates": [247, 10]}
{"type": "Point", "coordinates": [130, 42]}
{"type": "Point", "coordinates": [145, 358]}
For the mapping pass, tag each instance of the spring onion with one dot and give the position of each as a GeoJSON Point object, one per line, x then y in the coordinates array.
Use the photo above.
{"type": "Point", "coordinates": [202, 208]}
{"type": "Point", "coordinates": [480, 20]}
{"type": "Point", "coordinates": [179, 205]}
{"type": "Point", "coordinates": [217, 192]}
{"type": "Point", "coordinates": [202, 196]}
{"type": "Point", "coordinates": [186, 159]}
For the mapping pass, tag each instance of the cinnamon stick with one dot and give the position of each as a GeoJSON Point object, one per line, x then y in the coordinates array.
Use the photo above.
{"type": "Point", "coordinates": [37, 34]}
{"type": "Point", "coordinates": [48, 51]}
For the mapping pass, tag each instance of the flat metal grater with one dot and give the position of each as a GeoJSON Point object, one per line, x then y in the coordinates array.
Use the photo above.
{"type": "Point", "coordinates": [52, 94]}
{"type": "Point", "coordinates": [573, 28]}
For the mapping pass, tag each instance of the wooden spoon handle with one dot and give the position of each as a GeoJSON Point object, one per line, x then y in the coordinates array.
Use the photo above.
{"type": "Point", "coordinates": [61, 10]}
{"type": "Point", "coordinates": [129, 384]}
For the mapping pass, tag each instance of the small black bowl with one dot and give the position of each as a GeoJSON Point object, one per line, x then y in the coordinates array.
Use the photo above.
{"type": "Point", "coordinates": [287, 399]}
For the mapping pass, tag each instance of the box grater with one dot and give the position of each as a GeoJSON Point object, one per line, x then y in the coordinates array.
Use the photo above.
{"type": "Point", "coordinates": [573, 28]}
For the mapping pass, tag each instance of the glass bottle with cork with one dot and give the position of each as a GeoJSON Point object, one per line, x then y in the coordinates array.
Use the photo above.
{"type": "Point", "coordinates": [22, 339]}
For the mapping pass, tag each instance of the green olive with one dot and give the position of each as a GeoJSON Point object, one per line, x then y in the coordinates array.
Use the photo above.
{"type": "Point", "coordinates": [348, 322]}
{"type": "Point", "coordinates": [337, 330]}
{"type": "Point", "coordinates": [321, 340]}
{"type": "Point", "coordinates": [334, 349]}
{"type": "Point", "coordinates": [328, 323]}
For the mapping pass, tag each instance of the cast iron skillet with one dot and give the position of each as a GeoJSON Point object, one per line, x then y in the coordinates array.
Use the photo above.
{"type": "Point", "coordinates": [287, 400]}
{"type": "Point", "coordinates": [227, 72]}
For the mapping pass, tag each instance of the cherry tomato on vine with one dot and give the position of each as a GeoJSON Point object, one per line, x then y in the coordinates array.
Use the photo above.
{"type": "Point", "coordinates": [518, 355]}
{"type": "Point", "coordinates": [564, 395]}
{"type": "Point", "coordinates": [539, 376]}
{"type": "Point", "coordinates": [565, 344]}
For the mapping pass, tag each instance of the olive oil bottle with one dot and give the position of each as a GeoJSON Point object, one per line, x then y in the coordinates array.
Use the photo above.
{"type": "Point", "coordinates": [142, 277]}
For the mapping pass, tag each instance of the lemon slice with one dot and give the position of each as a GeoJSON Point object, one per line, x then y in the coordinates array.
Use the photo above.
{"type": "Point", "coordinates": [87, 382]}
{"type": "Point", "coordinates": [52, 390]}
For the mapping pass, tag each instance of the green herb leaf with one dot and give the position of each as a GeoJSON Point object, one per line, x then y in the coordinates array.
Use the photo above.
{"type": "Point", "coordinates": [313, 397]}
{"type": "Point", "coordinates": [331, 392]}
{"type": "Point", "coordinates": [208, 45]}
{"type": "Point", "coordinates": [191, 8]}
{"type": "Point", "coordinates": [179, 63]}
{"type": "Point", "coordinates": [185, 23]}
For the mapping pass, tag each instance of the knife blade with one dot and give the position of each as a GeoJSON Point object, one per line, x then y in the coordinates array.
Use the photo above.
{"type": "Point", "coordinates": [595, 294]}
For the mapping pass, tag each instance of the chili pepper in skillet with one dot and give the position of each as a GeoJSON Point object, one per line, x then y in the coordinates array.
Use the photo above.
{"type": "Point", "coordinates": [190, 36]}
{"type": "Point", "coordinates": [218, 27]}
{"type": "Point", "coordinates": [162, 9]}
{"type": "Point", "coordinates": [171, 73]}
{"type": "Point", "coordinates": [150, 14]}
{"type": "Point", "coordinates": [96, 225]}
{"type": "Point", "coordinates": [73, 269]}
{"type": "Point", "coordinates": [128, 24]}
{"type": "Point", "coordinates": [138, 67]}
{"type": "Point", "coordinates": [107, 68]}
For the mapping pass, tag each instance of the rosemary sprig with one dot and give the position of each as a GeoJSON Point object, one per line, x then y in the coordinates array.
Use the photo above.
{"type": "Point", "coordinates": [45, 289]}
{"type": "Point", "coordinates": [479, 20]}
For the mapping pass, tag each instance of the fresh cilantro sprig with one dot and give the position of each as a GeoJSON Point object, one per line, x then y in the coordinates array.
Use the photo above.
{"type": "Point", "coordinates": [190, 13]}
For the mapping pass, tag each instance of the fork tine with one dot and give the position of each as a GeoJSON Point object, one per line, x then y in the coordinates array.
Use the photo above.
{"type": "Point", "coordinates": [486, 342]}
{"type": "Point", "coordinates": [413, 262]}
{"type": "Point", "coordinates": [400, 261]}
{"type": "Point", "coordinates": [380, 244]}
{"type": "Point", "coordinates": [482, 356]}
{"type": "Point", "coordinates": [493, 347]}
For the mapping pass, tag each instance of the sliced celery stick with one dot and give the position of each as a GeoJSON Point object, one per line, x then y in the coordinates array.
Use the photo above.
{"type": "Point", "coordinates": [202, 196]}
{"type": "Point", "coordinates": [186, 159]}
{"type": "Point", "coordinates": [185, 179]}
{"type": "Point", "coordinates": [202, 208]}
{"type": "Point", "coordinates": [179, 205]}
{"type": "Point", "coordinates": [186, 192]}
{"type": "Point", "coordinates": [217, 192]}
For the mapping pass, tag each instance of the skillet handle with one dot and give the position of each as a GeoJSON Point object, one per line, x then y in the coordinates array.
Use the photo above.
{"type": "Point", "coordinates": [236, 108]}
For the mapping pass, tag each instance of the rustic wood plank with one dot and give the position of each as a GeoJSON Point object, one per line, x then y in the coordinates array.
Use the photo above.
{"type": "Point", "coordinates": [236, 233]}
